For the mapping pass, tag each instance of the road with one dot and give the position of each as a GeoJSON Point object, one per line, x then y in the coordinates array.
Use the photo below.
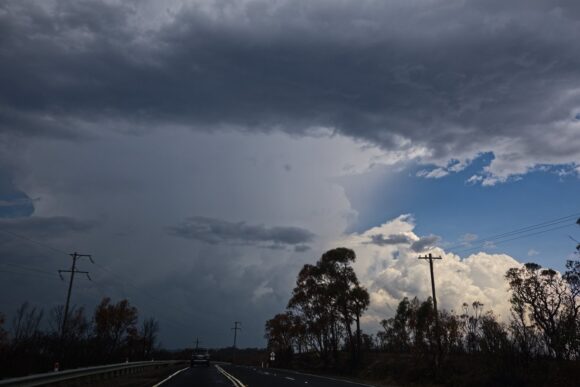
{"type": "Point", "coordinates": [227, 375]}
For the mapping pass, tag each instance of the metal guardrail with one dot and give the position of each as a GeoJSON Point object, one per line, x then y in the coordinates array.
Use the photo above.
{"type": "Point", "coordinates": [87, 375]}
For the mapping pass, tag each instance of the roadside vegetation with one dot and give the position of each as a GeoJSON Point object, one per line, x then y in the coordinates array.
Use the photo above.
{"type": "Point", "coordinates": [112, 334]}
{"type": "Point", "coordinates": [538, 345]}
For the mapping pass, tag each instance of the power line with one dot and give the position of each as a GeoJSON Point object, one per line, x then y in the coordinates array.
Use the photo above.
{"type": "Point", "coordinates": [39, 275]}
{"type": "Point", "coordinates": [33, 241]}
{"type": "Point", "coordinates": [103, 293]}
{"type": "Point", "coordinates": [122, 280]}
{"type": "Point", "coordinates": [118, 279]}
{"type": "Point", "coordinates": [536, 226]}
{"type": "Point", "coordinates": [127, 281]}
{"type": "Point", "coordinates": [521, 230]}
{"type": "Point", "coordinates": [29, 268]}
{"type": "Point", "coordinates": [478, 246]}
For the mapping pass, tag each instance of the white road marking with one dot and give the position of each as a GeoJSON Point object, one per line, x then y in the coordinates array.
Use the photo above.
{"type": "Point", "coordinates": [289, 378]}
{"type": "Point", "coordinates": [328, 378]}
{"type": "Point", "coordinates": [169, 377]}
{"type": "Point", "coordinates": [231, 377]}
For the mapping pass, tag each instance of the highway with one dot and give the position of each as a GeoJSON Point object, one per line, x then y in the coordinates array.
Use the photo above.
{"type": "Point", "coordinates": [227, 375]}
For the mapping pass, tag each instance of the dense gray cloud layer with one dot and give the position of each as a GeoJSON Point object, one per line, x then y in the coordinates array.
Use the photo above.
{"type": "Point", "coordinates": [47, 227]}
{"type": "Point", "coordinates": [442, 81]}
{"type": "Point", "coordinates": [216, 231]}
{"type": "Point", "coordinates": [119, 118]}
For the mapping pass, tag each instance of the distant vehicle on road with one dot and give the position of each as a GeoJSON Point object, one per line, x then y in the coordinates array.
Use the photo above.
{"type": "Point", "coordinates": [200, 357]}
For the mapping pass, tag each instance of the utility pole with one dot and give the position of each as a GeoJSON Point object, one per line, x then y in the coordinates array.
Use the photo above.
{"type": "Point", "coordinates": [197, 343]}
{"type": "Point", "coordinates": [430, 257]}
{"type": "Point", "coordinates": [75, 256]}
{"type": "Point", "coordinates": [235, 329]}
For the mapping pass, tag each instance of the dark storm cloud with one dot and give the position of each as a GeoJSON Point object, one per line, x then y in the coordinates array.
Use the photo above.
{"type": "Point", "coordinates": [46, 227]}
{"type": "Point", "coordinates": [440, 80]}
{"type": "Point", "coordinates": [401, 239]}
{"type": "Point", "coordinates": [393, 239]}
{"type": "Point", "coordinates": [424, 243]}
{"type": "Point", "coordinates": [217, 231]}
{"type": "Point", "coordinates": [301, 248]}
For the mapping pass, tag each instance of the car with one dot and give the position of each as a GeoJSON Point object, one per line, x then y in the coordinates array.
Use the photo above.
{"type": "Point", "coordinates": [200, 357]}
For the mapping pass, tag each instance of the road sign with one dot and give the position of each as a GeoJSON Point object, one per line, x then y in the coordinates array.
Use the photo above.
{"type": "Point", "coordinates": [272, 356]}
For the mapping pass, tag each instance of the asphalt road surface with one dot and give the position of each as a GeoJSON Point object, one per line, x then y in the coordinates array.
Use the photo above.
{"type": "Point", "coordinates": [227, 375]}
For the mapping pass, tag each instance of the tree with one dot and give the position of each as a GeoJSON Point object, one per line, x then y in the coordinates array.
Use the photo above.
{"type": "Point", "coordinates": [3, 334]}
{"type": "Point", "coordinates": [114, 325]}
{"type": "Point", "coordinates": [396, 328]}
{"type": "Point", "coordinates": [572, 277]}
{"type": "Point", "coordinates": [549, 302]}
{"type": "Point", "coordinates": [329, 298]}
{"type": "Point", "coordinates": [282, 334]}
{"type": "Point", "coordinates": [77, 327]}
{"type": "Point", "coordinates": [148, 334]}
{"type": "Point", "coordinates": [25, 324]}
{"type": "Point", "coordinates": [493, 338]}
{"type": "Point", "coordinates": [471, 324]}
{"type": "Point", "coordinates": [311, 304]}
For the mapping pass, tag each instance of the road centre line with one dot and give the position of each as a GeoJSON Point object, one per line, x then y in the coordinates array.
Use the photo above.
{"type": "Point", "coordinates": [170, 376]}
{"type": "Point", "coordinates": [324, 377]}
{"type": "Point", "coordinates": [231, 377]}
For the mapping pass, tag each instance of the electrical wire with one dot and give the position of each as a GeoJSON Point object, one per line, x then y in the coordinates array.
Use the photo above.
{"type": "Point", "coordinates": [46, 245]}
{"type": "Point", "coordinates": [549, 223]}
{"type": "Point", "coordinates": [39, 275]}
{"type": "Point", "coordinates": [512, 239]}
{"type": "Point", "coordinates": [126, 281]}
{"type": "Point", "coordinates": [118, 278]}
{"type": "Point", "coordinates": [29, 268]}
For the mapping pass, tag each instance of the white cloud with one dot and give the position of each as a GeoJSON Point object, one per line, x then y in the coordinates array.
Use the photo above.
{"type": "Point", "coordinates": [391, 272]}
{"type": "Point", "coordinates": [474, 179]}
{"type": "Point", "coordinates": [466, 239]}
{"type": "Point", "coordinates": [433, 174]}
{"type": "Point", "coordinates": [532, 252]}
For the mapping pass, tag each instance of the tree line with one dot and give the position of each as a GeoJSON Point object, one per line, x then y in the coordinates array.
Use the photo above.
{"type": "Point", "coordinates": [544, 321]}
{"type": "Point", "coordinates": [322, 323]}
{"type": "Point", "coordinates": [112, 333]}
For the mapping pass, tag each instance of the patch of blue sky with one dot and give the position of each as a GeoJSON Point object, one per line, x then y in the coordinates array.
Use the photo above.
{"type": "Point", "coordinates": [451, 207]}
{"type": "Point", "coordinates": [13, 202]}
{"type": "Point", "coordinates": [15, 205]}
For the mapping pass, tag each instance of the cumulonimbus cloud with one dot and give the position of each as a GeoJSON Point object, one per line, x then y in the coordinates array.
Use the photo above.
{"type": "Point", "coordinates": [393, 271]}
{"type": "Point", "coordinates": [439, 82]}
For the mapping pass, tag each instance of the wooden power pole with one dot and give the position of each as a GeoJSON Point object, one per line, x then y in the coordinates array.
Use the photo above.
{"type": "Point", "coordinates": [430, 257]}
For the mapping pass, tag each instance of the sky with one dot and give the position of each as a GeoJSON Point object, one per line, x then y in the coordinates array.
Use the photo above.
{"type": "Point", "coordinates": [204, 151]}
